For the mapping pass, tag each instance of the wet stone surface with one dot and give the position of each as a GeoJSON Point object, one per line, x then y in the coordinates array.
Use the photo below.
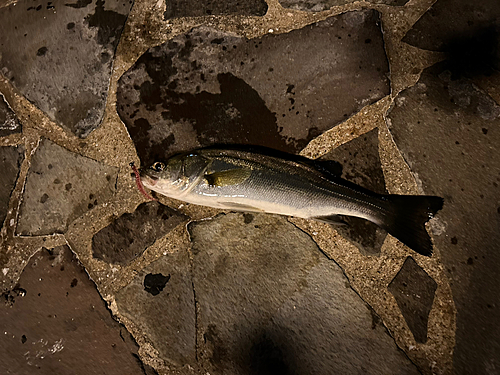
{"type": "Point", "coordinates": [9, 124]}
{"type": "Point", "coordinates": [59, 55]}
{"type": "Point", "coordinates": [207, 87]}
{"type": "Point", "coordinates": [60, 187]}
{"type": "Point", "coordinates": [448, 132]}
{"type": "Point", "coordinates": [54, 321]}
{"type": "Point", "coordinates": [320, 5]}
{"type": "Point", "coordinates": [197, 8]}
{"type": "Point", "coordinates": [361, 165]}
{"type": "Point", "coordinates": [414, 292]}
{"type": "Point", "coordinates": [271, 303]}
{"type": "Point", "coordinates": [160, 302]}
{"type": "Point", "coordinates": [127, 237]}
{"type": "Point", "coordinates": [10, 162]}
{"type": "Point", "coordinates": [468, 31]}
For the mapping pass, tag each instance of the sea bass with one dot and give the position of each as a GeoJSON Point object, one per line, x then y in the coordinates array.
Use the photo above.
{"type": "Point", "coordinates": [262, 180]}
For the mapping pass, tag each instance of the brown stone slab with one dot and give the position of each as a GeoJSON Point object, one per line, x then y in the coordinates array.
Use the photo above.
{"type": "Point", "coordinates": [207, 87]}
{"type": "Point", "coordinates": [160, 302]}
{"type": "Point", "coordinates": [60, 187]}
{"type": "Point", "coordinates": [59, 55]}
{"type": "Point", "coordinates": [55, 322]}
{"type": "Point", "coordinates": [467, 31]}
{"type": "Point", "coordinates": [128, 236]}
{"type": "Point", "coordinates": [271, 303]}
{"type": "Point", "coordinates": [414, 291]}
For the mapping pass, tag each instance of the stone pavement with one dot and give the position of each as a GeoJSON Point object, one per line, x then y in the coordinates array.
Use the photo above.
{"type": "Point", "coordinates": [96, 280]}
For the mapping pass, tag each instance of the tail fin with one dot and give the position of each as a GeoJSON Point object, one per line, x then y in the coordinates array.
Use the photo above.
{"type": "Point", "coordinates": [411, 212]}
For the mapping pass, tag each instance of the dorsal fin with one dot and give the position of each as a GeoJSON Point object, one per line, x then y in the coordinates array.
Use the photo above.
{"type": "Point", "coordinates": [329, 168]}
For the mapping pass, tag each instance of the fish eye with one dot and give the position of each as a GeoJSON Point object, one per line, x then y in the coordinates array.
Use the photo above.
{"type": "Point", "coordinates": [158, 166]}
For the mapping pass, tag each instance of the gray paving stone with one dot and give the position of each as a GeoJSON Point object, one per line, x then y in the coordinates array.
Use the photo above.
{"type": "Point", "coordinates": [361, 165]}
{"type": "Point", "coordinates": [414, 291]}
{"type": "Point", "coordinates": [9, 124]}
{"type": "Point", "coordinates": [320, 5]}
{"type": "Point", "coordinates": [55, 322]}
{"type": "Point", "coordinates": [160, 302]}
{"type": "Point", "coordinates": [271, 303]}
{"type": "Point", "coordinates": [469, 33]}
{"type": "Point", "coordinates": [60, 187]}
{"type": "Point", "coordinates": [197, 8]}
{"type": "Point", "coordinates": [129, 235]}
{"type": "Point", "coordinates": [208, 87]}
{"type": "Point", "coordinates": [59, 55]}
{"type": "Point", "coordinates": [10, 163]}
{"type": "Point", "coordinates": [448, 132]}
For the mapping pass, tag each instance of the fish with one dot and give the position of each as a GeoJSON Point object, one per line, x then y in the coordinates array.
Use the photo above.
{"type": "Point", "coordinates": [258, 179]}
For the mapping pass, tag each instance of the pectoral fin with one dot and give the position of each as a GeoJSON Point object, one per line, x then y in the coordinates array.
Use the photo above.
{"type": "Point", "coordinates": [229, 177]}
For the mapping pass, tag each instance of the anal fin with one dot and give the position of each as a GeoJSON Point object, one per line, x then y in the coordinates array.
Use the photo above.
{"type": "Point", "coordinates": [239, 207]}
{"type": "Point", "coordinates": [332, 219]}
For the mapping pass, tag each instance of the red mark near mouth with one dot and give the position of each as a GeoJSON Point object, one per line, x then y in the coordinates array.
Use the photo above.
{"type": "Point", "coordinates": [139, 182]}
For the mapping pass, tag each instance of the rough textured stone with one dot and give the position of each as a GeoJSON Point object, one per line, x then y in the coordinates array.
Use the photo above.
{"type": "Point", "coordinates": [160, 302]}
{"type": "Point", "coordinates": [128, 236]}
{"type": "Point", "coordinates": [414, 292]}
{"type": "Point", "coordinates": [320, 5]}
{"type": "Point", "coordinates": [361, 165]}
{"type": "Point", "coordinates": [59, 55]}
{"type": "Point", "coordinates": [55, 322]}
{"type": "Point", "coordinates": [9, 124]}
{"type": "Point", "coordinates": [197, 8]}
{"type": "Point", "coordinates": [280, 91]}
{"type": "Point", "coordinates": [467, 31]}
{"type": "Point", "coordinates": [60, 187]}
{"type": "Point", "coordinates": [271, 303]}
{"type": "Point", "coordinates": [10, 162]}
{"type": "Point", "coordinates": [448, 132]}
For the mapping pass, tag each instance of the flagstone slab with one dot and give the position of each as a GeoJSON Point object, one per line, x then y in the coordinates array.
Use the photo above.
{"type": "Point", "coordinates": [55, 322]}
{"type": "Point", "coordinates": [414, 291]}
{"type": "Point", "coordinates": [60, 187]}
{"type": "Point", "coordinates": [206, 86]}
{"type": "Point", "coordinates": [128, 236]}
{"type": "Point", "coordinates": [467, 31]}
{"type": "Point", "coordinates": [59, 55]}
{"type": "Point", "coordinates": [160, 302]}
{"type": "Point", "coordinates": [271, 303]}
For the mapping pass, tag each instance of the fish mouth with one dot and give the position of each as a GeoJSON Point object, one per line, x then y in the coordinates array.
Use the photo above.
{"type": "Point", "coordinates": [148, 180]}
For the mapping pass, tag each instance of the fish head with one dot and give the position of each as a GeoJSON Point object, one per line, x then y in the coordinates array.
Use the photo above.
{"type": "Point", "coordinates": [176, 175]}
